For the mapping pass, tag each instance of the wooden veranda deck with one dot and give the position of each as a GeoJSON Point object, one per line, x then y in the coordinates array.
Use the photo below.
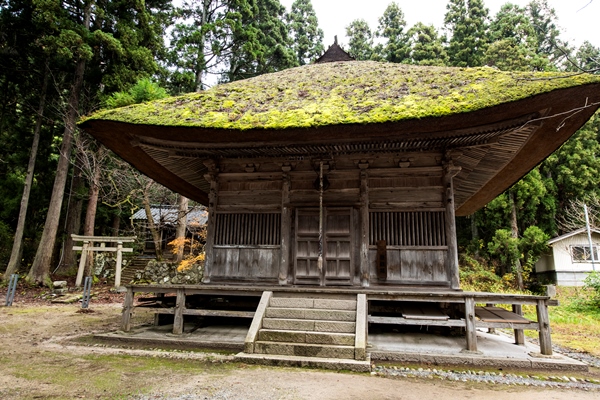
{"type": "Point", "coordinates": [467, 301]}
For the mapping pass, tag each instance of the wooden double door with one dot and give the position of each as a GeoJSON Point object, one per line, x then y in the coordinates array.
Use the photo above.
{"type": "Point", "coordinates": [338, 260]}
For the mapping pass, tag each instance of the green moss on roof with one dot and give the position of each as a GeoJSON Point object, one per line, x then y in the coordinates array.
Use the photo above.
{"type": "Point", "coordinates": [356, 92]}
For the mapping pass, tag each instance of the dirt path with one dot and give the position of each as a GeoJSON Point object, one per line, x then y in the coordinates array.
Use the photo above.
{"type": "Point", "coordinates": [36, 362]}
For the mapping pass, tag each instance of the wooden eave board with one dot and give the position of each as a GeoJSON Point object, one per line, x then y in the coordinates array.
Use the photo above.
{"type": "Point", "coordinates": [423, 311]}
{"type": "Point", "coordinates": [497, 314]}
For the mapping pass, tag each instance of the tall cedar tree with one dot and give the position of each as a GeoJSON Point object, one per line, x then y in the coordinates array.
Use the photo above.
{"type": "Point", "coordinates": [25, 96]}
{"type": "Point", "coordinates": [360, 39]}
{"type": "Point", "coordinates": [392, 27]}
{"type": "Point", "coordinates": [264, 45]}
{"type": "Point", "coordinates": [110, 43]}
{"type": "Point", "coordinates": [202, 41]}
{"type": "Point", "coordinates": [466, 21]}
{"type": "Point", "coordinates": [426, 47]}
{"type": "Point", "coordinates": [306, 36]}
{"type": "Point", "coordinates": [513, 40]}
{"type": "Point", "coordinates": [548, 46]}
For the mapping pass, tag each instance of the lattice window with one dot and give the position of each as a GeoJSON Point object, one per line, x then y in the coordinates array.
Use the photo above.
{"type": "Point", "coordinates": [248, 229]}
{"type": "Point", "coordinates": [582, 253]}
{"type": "Point", "coordinates": [402, 228]}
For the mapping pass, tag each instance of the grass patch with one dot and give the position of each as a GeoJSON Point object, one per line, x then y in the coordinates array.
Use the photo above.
{"type": "Point", "coordinates": [575, 322]}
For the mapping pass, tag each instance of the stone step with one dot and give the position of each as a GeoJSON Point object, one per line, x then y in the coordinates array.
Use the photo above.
{"type": "Point", "coordinates": [309, 325]}
{"type": "Point", "coordinates": [272, 335]}
{"type": "Point", "coordinates": [310, 313]}
{"type": "Point", "coordinates": [304, 349]}
{"type": "Point", "coordinates": [311, 362]}
{"type": "Point", "coordinates": [322, 304]}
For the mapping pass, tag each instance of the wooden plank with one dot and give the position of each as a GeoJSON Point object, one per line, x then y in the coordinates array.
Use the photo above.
{"type": "Point", "coordinates": [534, 326]}
{"type": "Point", "coordinates": [405, 321]}
{"type": "Point", "coordinates": [106, 239]}
{"type": "Point", "coordinates": [423, 311]}
{"type": "Point", "coordinates": [98, 248]}
{"type": "Point", "coordinates": [497, 314]}
{"type": "Point", "coordinates": [218, 313]}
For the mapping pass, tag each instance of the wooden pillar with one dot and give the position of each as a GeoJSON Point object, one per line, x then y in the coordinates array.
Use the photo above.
{"type": "Point", "coordinates": [160, 297]}
{"type": "Point", "coordinates": [118, 266]}
{"type": "Point", "coordinates": [450, 172]}
{"type": "Point", "coordinates": [210, 225]}
{"type": "Point", "coordinates": [178, 314]}
{"type": "Point", "coordinates": [82, 260]}
{"type": "Point", "coordinates": [364, 223]}
{"type": "Point", "coordinates": [470, 324]}
{"type": "Point", "coordinates": [127, 310]}
{"type": "Point", "coordinates": [284, 267]}
{"type": "Point", "coordinates": [519, 333]}
{"type": "Point", "coordinates": [544, 326]}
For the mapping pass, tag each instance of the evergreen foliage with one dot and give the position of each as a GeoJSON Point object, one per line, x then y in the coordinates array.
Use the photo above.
{"type": "Point", "coordinates": [426, 47]}
{"type": "Point", "coordinates": [305, 34]}
{"type": "Point", "coordinates": [467, 21]}
{"type": "Point", "coordinates": [392, 27]}
{"type": "Point", "coordinates": [360, 40]}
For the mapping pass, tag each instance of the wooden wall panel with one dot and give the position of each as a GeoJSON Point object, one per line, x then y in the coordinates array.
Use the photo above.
{"type": "Point", "coordinates": [259, 263]}
{"type": "Point", "coordinates": [226, 262]}
{"type": "Point", "coordinates": [410, 266]}
{"type": "Point", "coordinates": [423, 265]}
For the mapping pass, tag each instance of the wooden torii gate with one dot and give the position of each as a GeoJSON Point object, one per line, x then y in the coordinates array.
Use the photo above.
{"type": "Point", "coordinates": [89, 246]}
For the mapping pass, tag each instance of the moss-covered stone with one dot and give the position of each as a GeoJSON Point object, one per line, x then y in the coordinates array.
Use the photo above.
{"type": "Point", "coordinates": [357, 92]}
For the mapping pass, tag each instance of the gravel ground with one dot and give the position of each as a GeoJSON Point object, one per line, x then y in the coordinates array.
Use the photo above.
{"type": "Point", "coordinates": [490, 377]}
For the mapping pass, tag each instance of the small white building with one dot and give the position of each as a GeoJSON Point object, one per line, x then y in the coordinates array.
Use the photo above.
{"type": "Point", "coordinates": [570, 259]}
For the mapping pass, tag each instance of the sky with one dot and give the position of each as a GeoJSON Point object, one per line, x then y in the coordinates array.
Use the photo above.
{"type": "Point", "coordinates": [577, 18]}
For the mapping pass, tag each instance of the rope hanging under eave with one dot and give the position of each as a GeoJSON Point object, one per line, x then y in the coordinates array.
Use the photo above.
{"type": "Point", "coordinates": [320, 259]}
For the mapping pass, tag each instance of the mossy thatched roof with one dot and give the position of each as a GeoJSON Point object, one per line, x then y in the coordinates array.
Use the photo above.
{"type": "Point", "coordinates": [355, 92]}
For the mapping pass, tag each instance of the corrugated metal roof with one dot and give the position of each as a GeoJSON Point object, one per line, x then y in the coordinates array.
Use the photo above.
{"type": "Point", "coordinates": [166, 214]}
{"type": "Point", "coordinates": [572, 233]}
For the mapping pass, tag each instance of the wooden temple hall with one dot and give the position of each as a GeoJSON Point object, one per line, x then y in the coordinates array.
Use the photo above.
{"type": "Point", "coordinates": [335, 186]}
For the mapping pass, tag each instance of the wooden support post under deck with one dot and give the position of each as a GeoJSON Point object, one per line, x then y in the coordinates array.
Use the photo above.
{"type": "Point", "coordinates": [285, 230]}
{"type": "Point", "coordinates": [544, 325]}
{"type": "Point", "coordinates": [452, 267]}
{"type": "Point", "coordinates": [364, 224]}
{"type": "Point", "coordinates": [127, 310]}
{"type": "Point", "coordinates": [178, 318]}
{"type": "Point", "coordinates": [210, 225]}
{"type": "Point", "coordinates": [471, 333]}
{"type": "Point", "coordinates": [160, 296]}
{"type": "Point", "coordinates": [519, 333]}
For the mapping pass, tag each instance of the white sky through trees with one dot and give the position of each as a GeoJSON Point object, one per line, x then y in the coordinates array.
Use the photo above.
{"type": "Point", "coordinates": [578, 19]}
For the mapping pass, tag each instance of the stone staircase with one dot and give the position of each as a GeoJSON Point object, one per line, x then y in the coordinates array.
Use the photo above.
{"type": "Point", "coordinates": [319, 332]}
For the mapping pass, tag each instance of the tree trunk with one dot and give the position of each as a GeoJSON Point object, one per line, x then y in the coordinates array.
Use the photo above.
{"type": "Point", "coordinates": [17, 249]}
{"type": "Point", "coordinates": [514, 230]}
{"type": "Point", "coordinates": [73, 224]}
{"type": "Point", "coordinates": [181, 226]}
{"type": "Point", "coordinates": [40, 269]}
{"type": "Point", "coordinates": [474, 233]}
{"type": "Point", "coordinates": [116, 225]}
{"type": "Point", "coordinates": [153, 229]}
{"type": "Point", "coordinates": [92, 206]}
